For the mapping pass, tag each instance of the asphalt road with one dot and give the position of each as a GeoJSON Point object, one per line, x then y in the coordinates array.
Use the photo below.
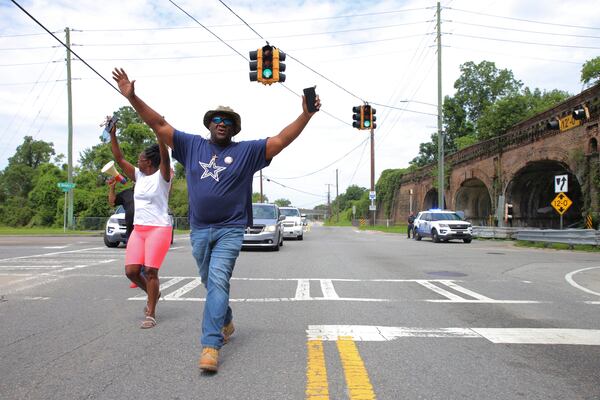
{"type": "Point", "coordinates": [340, 315]}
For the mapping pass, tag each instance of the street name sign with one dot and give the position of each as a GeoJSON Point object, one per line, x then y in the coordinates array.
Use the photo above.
{"type": "Point", "coordinates": [65, 186]}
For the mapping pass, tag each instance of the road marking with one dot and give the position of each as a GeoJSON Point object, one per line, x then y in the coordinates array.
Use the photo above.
{"type": "Point", "coordinates": [50, 254]}
{"type": "Point", "coordinates": [29, 266]}
{"type": "Point", "coordinates": [551, 336]}
{"type": "Point", "coordinates": [55, 247]}
{"type": "Point", "coordinates": [328, 289]}
{"type": "Point", "coordinates": [569, 278]}
{"type": "Point", "coordinates": [163, 286]}
{"type": "Point", "coordinates": [184, 289]}
{"type": "Point", "coordinates": [317, 386]}
{"type": "Point", "coordinates": [357, 378]}
{"type": "Point", "coordinates": [303, 290]}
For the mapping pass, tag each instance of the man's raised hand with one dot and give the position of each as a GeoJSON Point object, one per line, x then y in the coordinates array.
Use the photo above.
{"type": "Point", "coordinates": [126, 87]}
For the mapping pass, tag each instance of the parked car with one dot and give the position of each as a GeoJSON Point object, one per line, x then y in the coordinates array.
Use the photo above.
{"type": "Point", "coordinates": [293, 226]}
{"type": "Point", "coordinates": [116, 230]}
{"type": "Point", "coordinates": [442, 225]}
{"type": "Point", "coordinates": [266, 230]}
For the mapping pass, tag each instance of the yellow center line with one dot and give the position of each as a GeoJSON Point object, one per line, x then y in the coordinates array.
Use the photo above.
{"type": "Point", "coordinates": [357, 378]}
{"type": "Point", "coordinates": [317, 387]}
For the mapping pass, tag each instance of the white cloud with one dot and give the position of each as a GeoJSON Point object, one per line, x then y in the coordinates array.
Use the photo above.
{"type": "Point", "coordinates": [192, 71]}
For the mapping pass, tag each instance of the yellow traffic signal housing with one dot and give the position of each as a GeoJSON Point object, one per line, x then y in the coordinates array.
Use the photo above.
{"type": "Point", "coordinates": [266, 65]}
{"type": "Point", "coordinates": [364, 117]}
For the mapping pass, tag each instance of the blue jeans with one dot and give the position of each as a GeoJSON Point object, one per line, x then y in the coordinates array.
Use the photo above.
{"type": "Point", "coordinates": [215, 251]}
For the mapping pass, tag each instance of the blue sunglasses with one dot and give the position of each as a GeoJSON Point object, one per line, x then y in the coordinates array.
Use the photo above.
{"type": "Point", "coordinates": [218, 120]}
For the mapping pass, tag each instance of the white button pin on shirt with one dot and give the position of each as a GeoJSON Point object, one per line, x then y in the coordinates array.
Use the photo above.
{"type": "Point", "coordinates": [228, 160]}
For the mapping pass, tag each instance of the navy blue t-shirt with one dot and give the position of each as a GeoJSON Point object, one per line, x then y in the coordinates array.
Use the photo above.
{"type": "Point", "coordinates": [219, 179]}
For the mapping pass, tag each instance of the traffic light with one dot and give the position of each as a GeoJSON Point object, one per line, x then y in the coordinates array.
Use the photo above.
{"type": "Point", "coordinates": [553, 124]}
{"type": "Point", "coordinates": [364, 117]}
{"type": "Point", "coordinates": [369, 117]}
{"type": "Point", "coordinates": [580, 113]}
{"type": "Point", "coordinates": [508, 212]}
{"type": "Point", "coordinates": [266, 65]}
{"type": "Point", "coordinates": [357, 117]}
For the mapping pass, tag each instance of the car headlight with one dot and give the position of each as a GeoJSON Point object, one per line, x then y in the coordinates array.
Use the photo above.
{"type": "Point", "coordinates": [443, 225]}
{"type": "Point", "coordinates": [113, 220]}
{"type": "Point", "coordinates": [270, 228]}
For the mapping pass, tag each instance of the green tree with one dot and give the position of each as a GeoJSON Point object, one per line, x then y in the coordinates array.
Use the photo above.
{"type": "Point", "coordinates": [283, 202]}
{"type": "Point", "coordinates": [508, 111]}
{"type": "Point", "coordinates": [590, 72]}
{"type": "Point", "coordinates": [256, 197]}
{"type": "Point", "coordinates": [45, 195]}
{"type": "Point", "coordinates": [386, 186]}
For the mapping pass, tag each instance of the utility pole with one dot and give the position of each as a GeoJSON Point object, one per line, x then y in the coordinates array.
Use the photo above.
{"type": "Point", "coordinates": [328, 199]}
{"type": "Point", "coordinates": [337, 201]}
{"type": "Point", "coordinates": [373, 173]}
{"type": "Point", "coordinates": [70, 127]}
{"type": "Point", "coordinates": [261, 192]}
{"type": "Point", "coordinates": [440, 134]}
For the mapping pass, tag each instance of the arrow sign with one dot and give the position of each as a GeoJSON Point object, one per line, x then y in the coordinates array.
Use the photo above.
{"type": "Point", "coordinates": [561, 183]}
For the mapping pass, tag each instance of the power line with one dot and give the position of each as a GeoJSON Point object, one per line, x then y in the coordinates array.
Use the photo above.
{"type": "Point", "coordinates": [402, 109]}
{"type": "Point", "coordinates": [289, 187]}
{"type": "Point", "coordinates": [524, 42]}
{"type": "Point", "coordinates": [252, 39]}
{"type": "Point", "coordinates": [295, 59]}
{"type": "Point", "coordinates": [262, 23]}
{"type": "Point", "coordinates": [67, 47]}
{"type": "Point", "coordinates": [208, 30]}
{"type": "Point", "coordinates": [522, 19]}
{"type": "Point", "coordinates": [521, 30]}
{"type": "Point", "coordinates": [327, 166]}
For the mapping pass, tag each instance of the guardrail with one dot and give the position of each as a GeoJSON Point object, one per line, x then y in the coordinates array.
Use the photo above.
{"type": "Point", "coordinates": [567, 236]}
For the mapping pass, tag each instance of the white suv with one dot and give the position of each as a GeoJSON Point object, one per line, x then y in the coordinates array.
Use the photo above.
{"type": "Point", "coordinates": [442, 225]}
{"type": "Point", "coordinates": [293, 226]}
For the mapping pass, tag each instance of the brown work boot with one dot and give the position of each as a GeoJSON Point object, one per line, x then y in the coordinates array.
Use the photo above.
{"type": "Point", "coordinates": [209, 359]}
{"type": "Point", "coordinates": [227, 331]}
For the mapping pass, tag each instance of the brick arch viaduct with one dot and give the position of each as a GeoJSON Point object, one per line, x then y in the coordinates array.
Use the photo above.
{"type": "Point", "coordinates": [517, 168]}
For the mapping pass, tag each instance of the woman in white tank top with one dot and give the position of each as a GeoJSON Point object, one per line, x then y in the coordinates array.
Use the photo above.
{"type": "Point", "coordinates": [151, 236]}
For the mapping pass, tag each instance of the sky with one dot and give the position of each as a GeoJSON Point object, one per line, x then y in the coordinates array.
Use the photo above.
{"type": "Point", "coordinates": [190, 56]}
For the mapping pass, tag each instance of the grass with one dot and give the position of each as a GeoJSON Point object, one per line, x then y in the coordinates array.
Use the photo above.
{"type": "Point", "coordinates": [381, 228]}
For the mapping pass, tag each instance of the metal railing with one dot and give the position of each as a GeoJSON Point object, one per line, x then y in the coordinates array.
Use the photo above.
{"type": "Point", "coordinates": [566, 236]}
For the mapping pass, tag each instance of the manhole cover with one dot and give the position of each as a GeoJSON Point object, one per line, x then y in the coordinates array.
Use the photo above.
{"type": "Point", "coordinates": [446, 273]}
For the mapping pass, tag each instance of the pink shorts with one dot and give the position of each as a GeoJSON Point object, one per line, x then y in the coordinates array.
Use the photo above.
{"type": "Point", "coordinates": [148, 245]}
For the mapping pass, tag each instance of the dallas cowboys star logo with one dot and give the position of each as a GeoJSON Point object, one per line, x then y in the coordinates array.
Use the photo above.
{"type": "Point", "coordinates": [211, 169]}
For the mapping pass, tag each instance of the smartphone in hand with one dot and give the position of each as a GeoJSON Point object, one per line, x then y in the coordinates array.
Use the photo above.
{"type": "Point", "coordinates": [310, 95]}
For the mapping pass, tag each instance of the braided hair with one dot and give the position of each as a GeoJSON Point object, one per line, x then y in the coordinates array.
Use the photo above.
{"type": "Point", "coordinates": [152, 153]}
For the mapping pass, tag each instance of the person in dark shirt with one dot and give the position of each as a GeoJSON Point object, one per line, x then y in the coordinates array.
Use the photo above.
{"type": "Point", "coordinates": [219, 173]}
{"type": "Point", "coordinates": [411, 224]}
{"type": "Point", "coordinates": [123, 198]}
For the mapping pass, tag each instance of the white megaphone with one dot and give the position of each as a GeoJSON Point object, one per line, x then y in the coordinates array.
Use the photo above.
{"type": "Point", "coordinates": [110, 169]}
